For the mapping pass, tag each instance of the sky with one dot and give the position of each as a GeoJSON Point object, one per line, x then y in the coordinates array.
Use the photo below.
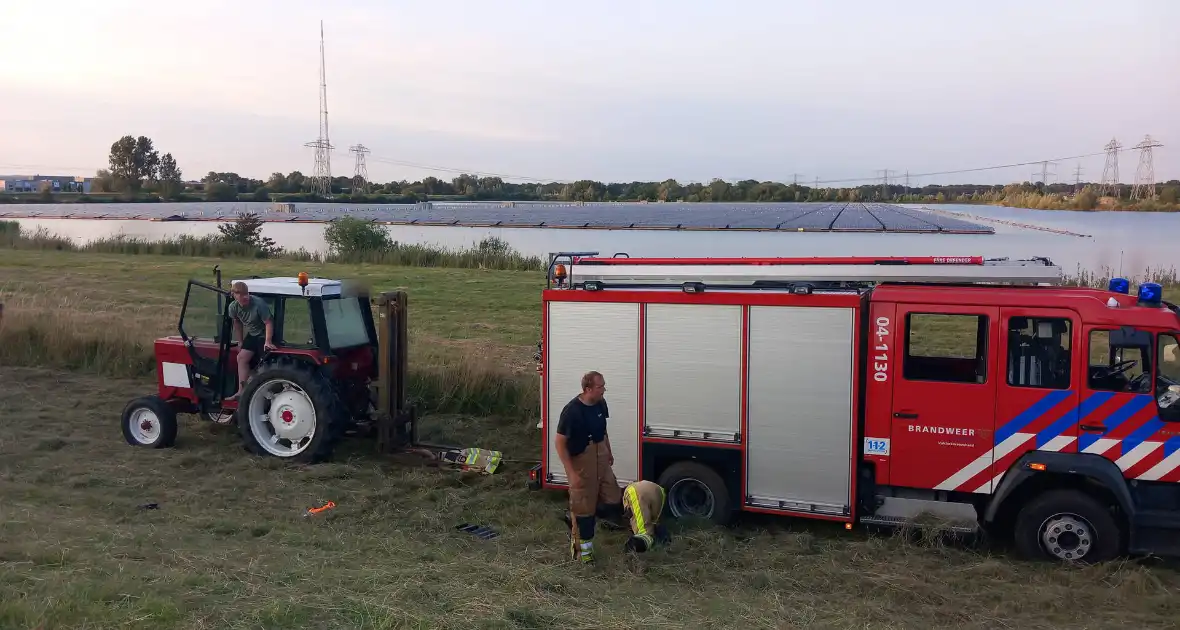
{"type": "Point", "coordinates": [606, 90]}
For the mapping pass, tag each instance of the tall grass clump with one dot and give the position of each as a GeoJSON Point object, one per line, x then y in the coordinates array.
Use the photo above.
{"type": "Point", "coordinates": [183, 245]}
{"type": "Point", "coordinates": [9, 232]}
{"type": "Point", "coordinates": [472, 384]}
{"type": "Point", "coordinates": [95, 342]}
{"type": "Point", "coordinates": [353, 240]}
{"type": "Point", "coordinates": [13, 236]}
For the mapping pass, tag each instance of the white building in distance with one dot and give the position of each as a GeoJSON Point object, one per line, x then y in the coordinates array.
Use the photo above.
{"type": "Point", "coordinates": [34, 183]}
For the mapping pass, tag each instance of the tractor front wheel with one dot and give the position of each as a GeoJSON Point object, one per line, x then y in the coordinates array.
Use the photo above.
{"type": "Point", "coordinates": [149, 421]}
{"type": "Point", "coordinates": [289, 410]}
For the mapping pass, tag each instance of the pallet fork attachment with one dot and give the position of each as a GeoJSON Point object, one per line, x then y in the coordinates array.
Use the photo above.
{"type": "Point", "coordinates": [397, 423]}
{"type": "Point", "coordinates": [396, 419]}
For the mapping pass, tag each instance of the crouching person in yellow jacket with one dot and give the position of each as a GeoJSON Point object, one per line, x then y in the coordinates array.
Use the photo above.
{"type": "Point", "coordinates": [643, 501]}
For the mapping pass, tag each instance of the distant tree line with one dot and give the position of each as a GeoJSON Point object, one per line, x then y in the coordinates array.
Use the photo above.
{"type": "Point", "coordinates": [137, 168]}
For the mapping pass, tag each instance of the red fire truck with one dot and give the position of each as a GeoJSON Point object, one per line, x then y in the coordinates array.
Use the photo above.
{"type": "Point", "coordinates": [868, 390]}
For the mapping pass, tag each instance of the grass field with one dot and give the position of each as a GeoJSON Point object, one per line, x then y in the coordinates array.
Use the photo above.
{"type": "Point", "coordinates": [228, 546]}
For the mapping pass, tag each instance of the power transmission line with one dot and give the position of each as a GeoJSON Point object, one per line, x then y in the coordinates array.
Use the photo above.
{"type": "Point", "coordinates": [1110, 171]}
{"type": "Point", "coordinates": [1145, 174]}
{"type": "Point", "coordinates": [361, 171]}
{"type": "Point", "coordinates": [1045, 172]}
{"type": "Point", "coordinates": [884, 184]}
{"type": "Point", "coordinates": [962, 170]}
{"type": "Point", "coordinates": [817, 182]}
{"type": "Point", "coordinates": [321, 173]}
{"type": "Point", "coordinates": [507, 176]}
{"type": "Point", "coordinates": [467, 171]}
{"type": "Point", "coordinates": [1077, 179]}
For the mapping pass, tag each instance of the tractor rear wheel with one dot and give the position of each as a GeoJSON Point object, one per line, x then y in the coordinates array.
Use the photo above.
{"type": "Point", "coordinates": [291, 411]}
{"type": "Point", "coordinates": [149, 421]}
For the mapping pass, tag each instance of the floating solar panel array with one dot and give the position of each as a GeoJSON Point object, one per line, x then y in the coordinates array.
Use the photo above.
{"type": "Point", "coordinates": [794, 217]}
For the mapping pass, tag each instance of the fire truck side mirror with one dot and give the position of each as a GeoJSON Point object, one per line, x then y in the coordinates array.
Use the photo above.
{"type": "Point", "coordinates": [1167, 404]}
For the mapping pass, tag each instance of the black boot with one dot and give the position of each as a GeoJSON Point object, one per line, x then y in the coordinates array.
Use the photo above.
{"type": "Point", "coordinates": [662, 535]}
{"type": "Point", "coordinates": [612, 517]}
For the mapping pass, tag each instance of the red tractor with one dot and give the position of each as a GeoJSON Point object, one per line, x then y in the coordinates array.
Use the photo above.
{"type": "Point", "coordinates": [334, 370]}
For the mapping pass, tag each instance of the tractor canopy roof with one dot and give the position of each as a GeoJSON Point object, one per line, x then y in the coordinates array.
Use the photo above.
{"type": "Point", "coordinates": [316, 287]}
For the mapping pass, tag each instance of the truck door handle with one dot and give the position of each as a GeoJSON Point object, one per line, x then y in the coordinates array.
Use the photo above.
{"type": "Point", "coordinates": [1091, 427]}
{"type": "Point", "coordinates": [900, 414]}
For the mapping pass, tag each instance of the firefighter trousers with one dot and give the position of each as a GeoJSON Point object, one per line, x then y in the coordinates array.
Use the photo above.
{"type": "Point", "coordinates": [643, 501]}
{"type": "Point", "coordinates": [592, 483]}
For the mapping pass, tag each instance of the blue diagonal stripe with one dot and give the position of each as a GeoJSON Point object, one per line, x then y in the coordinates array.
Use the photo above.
{"type": "Point", "coordinates": [1171, 445]}
{"type": "Point", "coordinates": [1068, 420]}
{"type": "Point", "coordinates": [1030, 415]}
{"type": "Point", "coordinates": [1142, 433]}
{"type": "Point", "coordinates": [1129, 408]}
{"type": "Point", "coordinates": [1096, 400]}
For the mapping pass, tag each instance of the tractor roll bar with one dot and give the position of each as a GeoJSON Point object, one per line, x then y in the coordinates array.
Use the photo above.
{"type": "Point", "coordinates": [556, 256]}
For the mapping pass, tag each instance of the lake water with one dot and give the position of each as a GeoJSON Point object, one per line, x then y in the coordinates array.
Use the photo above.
{"type": "Point", "coordinates": [1123, 242]}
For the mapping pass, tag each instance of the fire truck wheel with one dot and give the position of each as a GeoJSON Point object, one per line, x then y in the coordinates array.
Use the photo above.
{"type": "Point", "coordinates": [1067, 525]}
{"type": "Point", "coordinates": [290, 411]}
{"type": "Point", "coordinates": [150, 422]}
{"type": "Point", "coordinates": [695, 490]}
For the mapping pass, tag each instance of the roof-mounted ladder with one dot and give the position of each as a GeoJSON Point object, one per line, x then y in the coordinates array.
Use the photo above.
{"type": "Point", "coordinates": [780, 272]}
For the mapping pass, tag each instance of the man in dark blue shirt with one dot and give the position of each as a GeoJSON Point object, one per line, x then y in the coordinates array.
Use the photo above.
{"type": "Point", "coordinates": [584, 448]}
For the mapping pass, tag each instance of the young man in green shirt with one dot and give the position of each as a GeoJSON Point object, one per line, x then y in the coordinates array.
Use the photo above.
{"type": "Point", "coordinates": [254, 327]}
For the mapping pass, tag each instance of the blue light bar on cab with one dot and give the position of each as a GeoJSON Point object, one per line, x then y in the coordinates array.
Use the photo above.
{"type": "Point", "coordinates": [1151, 294]}
{"type": "Point", "coordinates": [1120, 285]}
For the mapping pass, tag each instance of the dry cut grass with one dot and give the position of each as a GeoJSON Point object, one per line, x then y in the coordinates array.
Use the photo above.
{"type": "Point", "coordinates": [227, 546]}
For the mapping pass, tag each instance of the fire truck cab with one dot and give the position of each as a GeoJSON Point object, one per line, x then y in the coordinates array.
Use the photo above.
{"type": "Point", "coordinates": [868, 390]}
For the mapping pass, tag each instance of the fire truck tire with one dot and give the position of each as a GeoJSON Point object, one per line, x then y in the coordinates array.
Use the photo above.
{"type": "Point", "coordinates": [308, 404]}
{"type": "Point", "coordinates": [695, 490]}
{"type": "Point", "coordinates": [1069, 526]}
{"type": "Point", "coordinates": [150, 422]}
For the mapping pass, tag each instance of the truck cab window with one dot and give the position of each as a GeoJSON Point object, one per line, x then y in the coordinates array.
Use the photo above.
{"type": "Point", "coordinates": [345, 323]}
{"type": "Point", "coordinates": [1169, 353]}
{"type": "Point", "coordinates": [1118, 369]}
{"type": "Point", "coordinates": [946, 347]}
{"type": "Point", "coordinates": [1167, 382]}
{"type": "Point", "coordinates": [1039, 352]}
{"type": "Point", "coordinates": [297, 329]}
